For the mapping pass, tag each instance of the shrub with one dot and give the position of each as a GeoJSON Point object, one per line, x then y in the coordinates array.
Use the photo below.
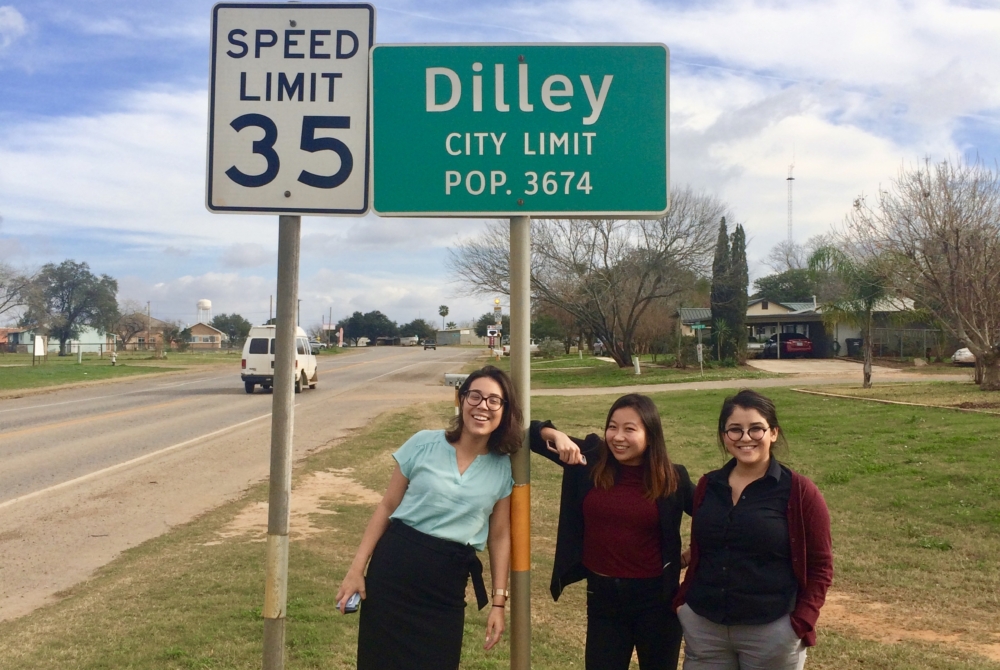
{"type": "Point", "coordinates": [551, 348]}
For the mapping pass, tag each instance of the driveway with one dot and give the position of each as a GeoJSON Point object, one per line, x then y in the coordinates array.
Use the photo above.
{"type": "Point", "coordinates": [816, 367]}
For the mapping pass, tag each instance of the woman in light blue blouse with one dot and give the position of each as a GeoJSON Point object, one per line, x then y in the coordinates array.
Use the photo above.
{"type": "Point", "coordinates": [449, 496]}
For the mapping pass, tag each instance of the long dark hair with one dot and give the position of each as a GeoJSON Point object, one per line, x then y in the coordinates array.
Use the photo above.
{"type": "Point", "coordinates": [507, 437]}
{"type": "Point", "coordinates": [750, 399]}
{"type": "Point", "coordinates": [658, 475]}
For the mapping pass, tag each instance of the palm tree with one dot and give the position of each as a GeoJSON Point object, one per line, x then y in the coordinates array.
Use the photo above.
{"type": "Point", "coordinates": [866, 285]}
{"type": "Point", "coordinates": [443, 312]}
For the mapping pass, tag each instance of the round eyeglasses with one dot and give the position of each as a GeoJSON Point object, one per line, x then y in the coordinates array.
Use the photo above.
{"type": "Point", "coordinates": [736, 434]}
{"type": "Point", "coordinates": [475, 398]}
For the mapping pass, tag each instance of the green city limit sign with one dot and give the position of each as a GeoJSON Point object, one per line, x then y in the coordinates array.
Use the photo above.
{"type": "Point", "coordinates": [515, 130]}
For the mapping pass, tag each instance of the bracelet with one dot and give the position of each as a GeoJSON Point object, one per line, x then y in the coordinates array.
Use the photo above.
{"type": "Point", "coordinates": [501, 606]}
{"type": "Point", "coordinates": [501, 592]}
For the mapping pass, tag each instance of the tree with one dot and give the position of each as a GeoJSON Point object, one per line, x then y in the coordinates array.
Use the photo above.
{"type": "Point", "coordinates": [788, 255]}
{"type": "Point", "coordinates": [939, 227]}
{"type": "Point", "coordinates": [13, 288]}
{"type": "Point", "coordinates": [867, 285]}
{"type": "Point", "coordinates": [419, 329]}
{"type": "Point", "coordinates": [796, 285]}
{"type": "Point", "coordinates": [488, 319]}
{"type": "Point", "coordinates": [66, 297]}
{"type": "Point", "coordinates": [372, 325]}
{"type": "Point", "coordinates": [131, 321]}
{"type": "Point", "coordinates": [729, 293]}
{"type": "Point", "coordinates": [451, 325]}
{"type": "Point", "coordinates": [604, 272]}
{"type": "Point", "coordinates": [739, 281]}
{"type": "Point", "coordinates": [443, 312]}
{"type": "Point", "coordinates": [234, 326]}
{"type": "Point", "coordinates": [546, 327]}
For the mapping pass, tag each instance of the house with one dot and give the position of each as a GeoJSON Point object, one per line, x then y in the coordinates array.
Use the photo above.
{"type": "Point", "coordinates": [150, 337]}
{"type": "Point", "coordinates": [89, 341]}
{"type": "Point", "coordinates": [767, 317]}
{"type": "Point", "coordinates": [454, 336]}
{"type": "Point", "coordinates": [204, 336]}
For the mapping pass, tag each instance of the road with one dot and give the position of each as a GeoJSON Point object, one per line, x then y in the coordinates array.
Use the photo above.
{"type": "Point", "coordinates": [89, 472]}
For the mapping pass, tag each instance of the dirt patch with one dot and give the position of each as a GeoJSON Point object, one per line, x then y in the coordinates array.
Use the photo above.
{"type": "Point", "coordinates": [978, 405]}
{"type": "Point", "coordinates": [309, 497]}
{"type": "Point", "coordinates": [878, 622]}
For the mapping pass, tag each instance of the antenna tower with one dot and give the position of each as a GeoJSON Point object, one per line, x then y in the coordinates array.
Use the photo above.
{"type": "Point", "coordinates": [790, 180]}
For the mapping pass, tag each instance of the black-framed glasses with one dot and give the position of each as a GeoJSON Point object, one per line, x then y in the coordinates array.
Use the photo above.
{"type": "Point", "coordinates": [735, 433]}
{"type": "Point", "coordinates": [475, 398]}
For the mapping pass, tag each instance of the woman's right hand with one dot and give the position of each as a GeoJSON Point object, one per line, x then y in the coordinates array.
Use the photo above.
{"type": "Point", "coordinates": [560, 443]}
{"type": "Point", "coordinates": [353, 583]}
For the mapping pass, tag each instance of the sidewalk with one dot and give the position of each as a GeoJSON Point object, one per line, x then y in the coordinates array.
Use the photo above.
{"type": "Point", "coordinates": [878, 377]}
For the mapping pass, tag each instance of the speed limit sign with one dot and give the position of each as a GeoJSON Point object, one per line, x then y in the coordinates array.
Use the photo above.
{"type": "Point", "coordinates": [288, 114]}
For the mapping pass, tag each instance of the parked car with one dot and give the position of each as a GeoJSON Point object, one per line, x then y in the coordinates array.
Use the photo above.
{"type": "Point", "coordinates": [316, 345]}
{"type": "Point", "coordinates": [258, 360]}
{"type": "Point", "coordinates": [963, 357]}
{"type": "Point", "coordinates": [430, 344]}
{"type": "Point", "coordinates": [793, 345]}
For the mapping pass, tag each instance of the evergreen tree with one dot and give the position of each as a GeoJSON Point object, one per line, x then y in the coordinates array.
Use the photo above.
{"type": "Point", "coordinates": [721, 296]}
{"type": "Point", "coordinates": [739, 282]}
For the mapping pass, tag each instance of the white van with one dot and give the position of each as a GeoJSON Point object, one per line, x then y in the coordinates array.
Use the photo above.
{"type": "Point", "coordinates": [258, 360]}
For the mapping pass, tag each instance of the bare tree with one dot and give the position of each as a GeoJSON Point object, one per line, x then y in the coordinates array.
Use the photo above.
{"type": "Point", "coordinates": [785, 255]}
{"type": "Point", "coordinates": [939, 224]}
{"type": "Point", "coordinates": [14, 287]}
{"type": "Point", "coordinates": [130, 322]}
{"type": "Point", "coordinates": [604, 272]}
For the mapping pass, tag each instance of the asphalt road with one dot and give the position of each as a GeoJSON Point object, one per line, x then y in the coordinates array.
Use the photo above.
{"type": "Point", "coordinates": [89, 472]}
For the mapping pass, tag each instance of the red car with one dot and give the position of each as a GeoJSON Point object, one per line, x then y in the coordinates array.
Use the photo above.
{"type": "Point", "coordinates": [793, 345]}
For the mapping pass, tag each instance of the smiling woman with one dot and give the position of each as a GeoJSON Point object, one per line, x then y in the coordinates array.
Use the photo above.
{"type": "Point", "coordinates": [761, 559]}
{"type": "Point", "coordinates": [449, 496]}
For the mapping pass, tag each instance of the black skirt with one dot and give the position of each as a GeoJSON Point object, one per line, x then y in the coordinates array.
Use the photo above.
{"type": "Point", "coordinates": [414, 612]}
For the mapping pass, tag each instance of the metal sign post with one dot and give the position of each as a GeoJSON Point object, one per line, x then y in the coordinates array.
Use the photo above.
{"type": "Point", "coordinates": [288, 134]}
{"type": "Point", "coordinates": [520, 504]}
{"type": "Point", "coordinates": [698, 327]}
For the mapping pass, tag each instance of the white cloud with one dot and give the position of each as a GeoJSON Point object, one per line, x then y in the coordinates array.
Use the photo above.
{"type": "Point", "coordinates": [12, 25]}
{"type": "Point", "coordinates": [247, 256]}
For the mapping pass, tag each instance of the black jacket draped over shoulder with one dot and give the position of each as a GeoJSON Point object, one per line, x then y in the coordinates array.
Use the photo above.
{"type": "Point", "coordinates": [576, 483]}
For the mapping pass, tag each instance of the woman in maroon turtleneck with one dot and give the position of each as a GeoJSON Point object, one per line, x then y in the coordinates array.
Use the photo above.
{"type": "Point", "coordinates": [619, 528]}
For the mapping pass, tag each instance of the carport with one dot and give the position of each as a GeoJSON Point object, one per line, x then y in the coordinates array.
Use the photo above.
{"type": "Point", "coordinates": [766, 318]}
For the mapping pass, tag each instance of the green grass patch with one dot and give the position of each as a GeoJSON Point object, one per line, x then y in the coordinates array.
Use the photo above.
{"type": "Point", "coordinates": [571, 371]}
{"type": "Point", "coordinates": [914, 496]}
{"type": "Point", "coordinates": [67, 371]}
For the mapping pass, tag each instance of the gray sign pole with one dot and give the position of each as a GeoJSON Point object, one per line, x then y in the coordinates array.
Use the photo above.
{"type": "Point", "coordinates": [282, 423]}
{"type": "Point", "coordinates": [520, 509]}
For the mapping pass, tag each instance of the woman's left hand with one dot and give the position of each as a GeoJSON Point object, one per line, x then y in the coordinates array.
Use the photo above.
{"type": "Point", "coordinates": [494, 626]}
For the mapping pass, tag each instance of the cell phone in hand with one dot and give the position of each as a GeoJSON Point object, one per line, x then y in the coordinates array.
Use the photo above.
{"type": "Point", "coordinates": [353, 603]}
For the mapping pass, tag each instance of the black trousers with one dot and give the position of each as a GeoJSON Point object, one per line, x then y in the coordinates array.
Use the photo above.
{"type": "Point", "coordinates": [627, 614]}
{"type": "Point", "coordinates": [414, 613]}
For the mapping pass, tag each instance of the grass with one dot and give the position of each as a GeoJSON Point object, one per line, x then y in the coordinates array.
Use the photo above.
{"type": "Point", "coordinates": [914, 495]}
{"type": "Point", "coordinates": [571, 371]}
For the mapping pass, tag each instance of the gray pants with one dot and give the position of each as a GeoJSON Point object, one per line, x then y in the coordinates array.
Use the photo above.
{"type": "Point", "coordinates": [712, 646]}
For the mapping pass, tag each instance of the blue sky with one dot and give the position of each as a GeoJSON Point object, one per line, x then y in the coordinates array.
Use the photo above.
{"type": "Point", "coordinates": [103, 111]}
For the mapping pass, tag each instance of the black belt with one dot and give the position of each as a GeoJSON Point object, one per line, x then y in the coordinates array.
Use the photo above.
{"type": "Point", "coordinates": [463, 554]}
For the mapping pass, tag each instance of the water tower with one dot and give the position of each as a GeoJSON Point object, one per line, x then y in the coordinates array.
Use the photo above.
{"type": "Point", "coordinates": [204, 311]}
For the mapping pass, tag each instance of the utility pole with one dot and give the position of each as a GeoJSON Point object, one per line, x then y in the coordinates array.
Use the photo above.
{"type": "Point", "coordinates": [790, 179]}
{"type": "Point", "coordinates": [149, 325]}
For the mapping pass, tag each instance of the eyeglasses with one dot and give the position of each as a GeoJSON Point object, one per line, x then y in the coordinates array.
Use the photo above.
{"type": "Point", "coordinates": [475, 398]}
{"type": "Point", "coordinates": [736, 434]}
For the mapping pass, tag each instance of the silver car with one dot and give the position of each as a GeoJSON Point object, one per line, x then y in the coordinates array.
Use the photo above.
{"type": "Point", "coordinates": [963, 357]}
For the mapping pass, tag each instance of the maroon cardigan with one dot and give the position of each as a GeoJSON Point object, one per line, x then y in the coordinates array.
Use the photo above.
{"type": "Point", "coordinates": [811, 552]}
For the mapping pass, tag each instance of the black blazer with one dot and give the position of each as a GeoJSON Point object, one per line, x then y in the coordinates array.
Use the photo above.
{"type": "Point", "coordinates": [576, 483]}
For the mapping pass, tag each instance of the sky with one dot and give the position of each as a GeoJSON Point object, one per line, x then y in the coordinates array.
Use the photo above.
{"type": "Point", "coordinates": [103, 121]}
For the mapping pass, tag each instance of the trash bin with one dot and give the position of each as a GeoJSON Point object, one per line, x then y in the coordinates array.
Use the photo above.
{"type": "Point", "coordinates": [854, 345]}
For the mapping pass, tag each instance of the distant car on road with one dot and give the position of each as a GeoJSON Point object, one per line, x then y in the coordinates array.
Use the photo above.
{"type": "Point", "coordinates": [430, 344]}
{"type": "Point", "coordinates": [963, 357]}
{"type": "Point", "coordinates": [315, 346]}
{"type": "Point", "coordinates": [793, 345]}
